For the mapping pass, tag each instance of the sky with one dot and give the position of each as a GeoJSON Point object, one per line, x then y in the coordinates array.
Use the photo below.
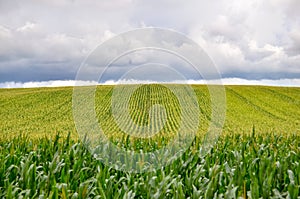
{"type": "Point", "coordinates": [249, 41]}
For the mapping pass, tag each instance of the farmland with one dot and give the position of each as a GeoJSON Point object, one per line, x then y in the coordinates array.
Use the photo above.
{"type": "Point", "coordinates": [257, 154]}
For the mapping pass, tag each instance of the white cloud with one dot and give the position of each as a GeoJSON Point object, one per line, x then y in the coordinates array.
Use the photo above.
{"type": "Point", "coordinates": [57, 83]}
{"type": "Point", "coordinates": [27, 27]}
{"type": "Point", "coordinates": [4, 33]}
{"type": "Point", "coordinates": [267, 82]}
{"type": "Point", "coordinates": [225, 81]}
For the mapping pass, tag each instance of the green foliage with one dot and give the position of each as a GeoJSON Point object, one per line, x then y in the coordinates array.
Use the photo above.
{"type": "Point", "coordinates": [249, 160]}
{"type": "Point", "coordinates": [41, 112]}
{"type": "Point", "coordinates": [238, 166]}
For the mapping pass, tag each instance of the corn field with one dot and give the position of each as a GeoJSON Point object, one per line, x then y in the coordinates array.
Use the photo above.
{"type": "Point", "coordinates": [257, 155]}
{"type": "Point", "coordinates": [238, 166]}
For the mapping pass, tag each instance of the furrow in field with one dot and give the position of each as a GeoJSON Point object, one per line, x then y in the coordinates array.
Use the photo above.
{"type": "Point", "coordinates": [281, 105]}
{"type": "Point", "coordinates": [250, 102]}
{"type": "Point", "coordinates": [49, 110]}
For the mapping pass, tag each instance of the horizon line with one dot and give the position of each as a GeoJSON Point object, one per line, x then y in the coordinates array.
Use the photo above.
{"type": "Point", "coordinates": [295, 82]}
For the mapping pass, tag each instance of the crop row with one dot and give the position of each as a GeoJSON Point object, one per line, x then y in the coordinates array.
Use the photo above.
{"type": "Point", "coordinates": [237, 166]}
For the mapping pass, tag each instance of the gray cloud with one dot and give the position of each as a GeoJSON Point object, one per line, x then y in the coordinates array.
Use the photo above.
{"type": "Point", "coordinates": [294, 48]}
{"type": "Point", "coordinates": [48, 40]}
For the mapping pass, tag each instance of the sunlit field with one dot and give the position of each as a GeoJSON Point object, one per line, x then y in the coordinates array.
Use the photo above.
{"type": "Point", "coordinates": [256, 156]}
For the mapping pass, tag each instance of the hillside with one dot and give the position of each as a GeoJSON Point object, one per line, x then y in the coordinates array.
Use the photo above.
{"type": "Point", "coordinates": [243, 163]}
{"type": "Point", "coordinates": [46, 111]}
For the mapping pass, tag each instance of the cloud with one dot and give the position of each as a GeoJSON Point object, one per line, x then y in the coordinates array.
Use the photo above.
{"type": "Point", "coordinates": [294, 48]}
{"type": "Point", "coordinates": [48, 40]}
{"type": "Point", "coordinates": [57, 83]}
{"type": "Point", "coordinates": [225, 81]}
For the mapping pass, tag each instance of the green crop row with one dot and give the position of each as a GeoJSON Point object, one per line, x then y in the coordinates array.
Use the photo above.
{"type": "Point", "coordinates": [49, 161]}
{"type": "Point", "coordinates": [252, 166]}
{"type": "Point", "coordinates": [46, 111]}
